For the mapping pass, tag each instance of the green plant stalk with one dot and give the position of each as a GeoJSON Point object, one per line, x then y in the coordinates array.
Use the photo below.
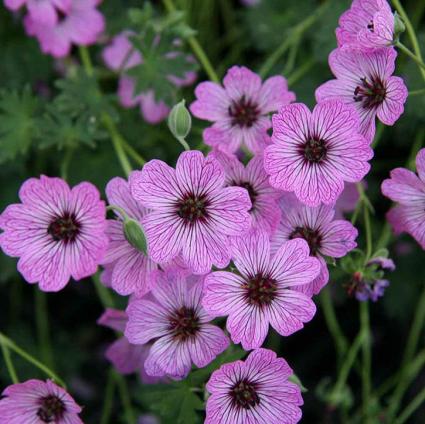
{"type": "Point", "coordinates": [105, 297]}
{"type": "Point", "coordinates": [410, 31]}
{"type": "Point", "coordinates": [109, 398]}
{"type": "Point", "coordinates": [417, 92]}
{"type": "Point", "coordinates": [409, 53]}
{"type": "Point", "coordinates": [366, 358]}
{"type": "Point", "coordinates": [133, 153]}
{"type": "Point", "coordinates": [9, 364]}
{"type": "Point", "coordinates": [300, 71]}
{"type": "Point", "coordinates": [334, 328]}
{"type": "Point", "coordinates": [65, 163]}
{"type": "Point", "coordinates": [125, 398]}
{"type": "Point", "coordinates": [295, 34]}
{"type": "Point", "coordinates": [42, 325]}
{"type": "Point", "coordinates": [346, 366]}
{"type": "Point", "coordinates": [412, 407]}
{"type": "Point", "coordinates": [412, 342]}
{"type": "Point", "coordinates": [85, 60]}
{"type": "Point", "coordinates": [10, 344]}
{"type": "Point", "coordinates": [368, 230]}
{"type": "Point", "coordinates": [196, 47]}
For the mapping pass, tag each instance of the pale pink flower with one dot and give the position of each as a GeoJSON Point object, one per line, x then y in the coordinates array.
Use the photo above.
{"type": "Point", "coordinates": [57, 232]}
{"type": "Point", "coordinates": [262, 292]}
{"type": "Point", "coordinates": [240, 110]}
{"type": "Point", "coordinates": [314, 153]}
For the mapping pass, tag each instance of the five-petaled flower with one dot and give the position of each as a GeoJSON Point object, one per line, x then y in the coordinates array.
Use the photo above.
{"type": "Point", "coordinates": [240, 111]}
{"type": "Point", "coordinates": [56, 232]}
{"type": "Point", "coordinates": [313, 153]}
{"type": "Point", "coordinates": [192, 212]}
{"type": "Point", "coordinates": [364, 79]}
{"type": "Point", "coordinates": [38, 402]}
{"type": "Point", "coordinates": [255, 391]}
{"type": "Point", "coordinates": [172, 316]}
{"type": "Point", "coordinates": [262, 292]}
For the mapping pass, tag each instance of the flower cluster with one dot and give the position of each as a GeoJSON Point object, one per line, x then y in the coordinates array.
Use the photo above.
{"type": "Point", "coordinates": [57, 24]}
{"type": "Point", "coordinates": [248, 240]}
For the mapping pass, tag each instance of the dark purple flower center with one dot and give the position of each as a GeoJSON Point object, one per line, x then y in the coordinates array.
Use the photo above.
{"type": "Point", "coordinates": [193, 208]}
{"type": "Point", "coordinates": [244, 394]}
{"type": "Point", "coordinates": [370, 26]}
{"type": "Point", "coordinates": [249, 188]}
{"type": "Point", "coordinates": [244, 112]}
{"type": "Point", "coordinates": [260, 290]}
{"type": "Point", "coordinates": [184, 323]}
{"type": "Point", "coordinates": [51, 409]}
{"type": "Point", "coordinates": [314, 150]}
{"type": "Point", "coordinates": [370, 93]}
{"type": "Point", "coordinates": [312, 237]}
{"type": "Point", "coordinates": [64, 228]}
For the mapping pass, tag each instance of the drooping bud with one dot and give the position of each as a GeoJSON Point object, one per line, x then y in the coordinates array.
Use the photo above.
{"type": "Point", "coordinates": [399, 26]}
{"type": "Point", "coordinates": [134, 234]}
{"type": "Point", "coordinates": [180, 122]}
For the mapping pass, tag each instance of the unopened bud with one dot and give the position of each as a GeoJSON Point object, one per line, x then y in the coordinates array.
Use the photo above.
{"type": "Point", "coordinates": [134, 234]}
{"type": "Point", "coordinates": [180, 121]}
{"type": "Point", "coordinates": [399, 26]}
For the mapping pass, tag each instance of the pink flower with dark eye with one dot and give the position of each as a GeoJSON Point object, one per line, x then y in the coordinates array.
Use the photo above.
{"type": "Point", "coordinates": [57, 232]}
{"type": "Point", "coordinates": [174, 318]}
{"type": "Point", "coordinates": [38, 402]}
{"type": "Point", "coordinates": [325, 235]}
{"type": "Point", "coordinates": [265, 211]}
{"type": "Point", "coordinates": [80, 24]}
{"type": "Point", "coordinates": [192, 212]}
{"type": "Point", "coordinates": [314, 153]}
{"type": "Point", "coordinates": [121, 56]}
{"type": "Point", "coordinates": [408, 190]}
{"type": "Point", "coordinates": [364, 79]}
{"type": "Point", "coordinates": [129, 267]}
{"type": "Point", "coordinates": [262, 292]}
{"type": "Point", "coordinates": [254, 391]}
{"type": "Point", "coordinates": [240, 110]}
{"type": "Point", "coordinates": [43, 11]}
{"type": "Point", "coordinates": [368, 23]}
{"type": "Point", "coordinates": [127, 358]}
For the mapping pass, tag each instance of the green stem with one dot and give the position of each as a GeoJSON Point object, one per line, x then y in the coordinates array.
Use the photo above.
{"type": "Point", "coordinates": [411, 345]}
{"type": "Point", "coordinates": [183, 142]}
{"type": "Point", "coordinates": [366, 358]}
{"type": "Point", "coordinates": [417, 92]}
{"type": "Point", "coordinates": [409, 53]}
{"type": "Point", "coordinates": [104, 295]}
{"type": "Point", "coordinates": [125, 398]}
{"type": "Point", "coordinates": [10, 344]}
{"type": "Point", "coordinates": [42, 324]}
{"type": "Point", "coordinates": [378, 135]}
{"type": "Point", "coordinates": [412, 407]}
{"type": "Point", "coordinates": [300, 71]}
{"type": "Point", "coordinates": [9, 364]}
{"type": "Point", "coordinates": [109, 398]}
{"type": "Point", "coordinates": [294, 34]}
{"type": "Point", "coordinates": [410, 31]}
{"type": "Point", "coordinates": [65, 163]}
{"type": "Point", "coordinates": [132, 152]}
{"type": "Point", "coordinates": [346, 367]}
{"type": "Point", "coordinates": [368, 230]}
{"type": "Point", "coordinates": [85, 59]}
{"type": "Point", "coordinates": [117, 142]}
{"type": "Point", "coordinates": [196, 47]}
{"type": "Point", "coordinates": [332, 322]}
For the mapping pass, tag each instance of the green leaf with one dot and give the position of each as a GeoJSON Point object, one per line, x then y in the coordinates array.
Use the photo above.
{"type": "Point", "coordinates": [18, 112]}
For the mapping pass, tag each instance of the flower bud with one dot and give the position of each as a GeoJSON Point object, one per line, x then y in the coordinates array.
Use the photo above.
{"type": "Point", "coordinates": [399, 26]}
{"type": "Point", "coordinates": [134, 234]}
{"type": "Point", "coordinates": [179, 121]}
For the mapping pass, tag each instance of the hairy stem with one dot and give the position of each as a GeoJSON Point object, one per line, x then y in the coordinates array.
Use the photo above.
{"type": "Point", "coordinates": [9, 364]}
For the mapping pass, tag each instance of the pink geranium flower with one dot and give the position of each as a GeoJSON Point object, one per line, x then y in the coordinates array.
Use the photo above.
{"type": "Point", "coordinates": [127, 358]}
{"type": "Point", "coordinates": [43, 11]}
{"type": "Point", "coordinates": [175, 319]}
{"type": "Point", "coordinates": [129, 267]}
{"type": "Point", "coordinates": [240, 111]}
{"type": "Point", "coordinates": [364, 79]}
{"type": "Point", "coordinates": [408, 189]}
{"type": "Point", "coordinates": [368, 23]}
{"type": "Point", "coordinates": [56, 232]}
{"type": "Point", "coordinates": [314, 153]}
{"type": "Point", "coordinates": [325, 235]}
{"type": "Point", "coordinates": [80, 24]}
{"type": "Point", "coordinates": [193, 213]}
{"type": "Point", "coordinates": [121, 56]}
{"type": "Point", "coordinates": [261, 293]}
{"type": "Point", "coordinates": [265, 211]}
{"type": "Point", "coordinates": [38, 402]}
{"type": "Point", "coordinates": [254, 391]}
